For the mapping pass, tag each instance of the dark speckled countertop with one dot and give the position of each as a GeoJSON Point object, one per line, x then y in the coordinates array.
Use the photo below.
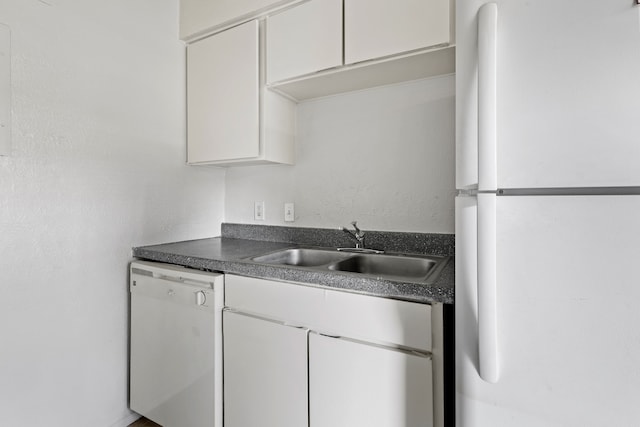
{"type": "Point", "coordinates": [231, 253]}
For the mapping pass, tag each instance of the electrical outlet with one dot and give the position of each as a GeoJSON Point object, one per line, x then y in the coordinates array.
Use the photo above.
{"type": "Point", "coordinates": [258, 211]}
{"type": "Point", "coordinates": [289, 213]}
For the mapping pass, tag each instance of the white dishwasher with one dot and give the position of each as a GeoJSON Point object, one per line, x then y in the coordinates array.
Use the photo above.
{"type": "Point", "coordinates": [176, 345]}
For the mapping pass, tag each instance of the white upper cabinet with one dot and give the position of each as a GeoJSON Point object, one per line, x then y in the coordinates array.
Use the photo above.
{"type": "Point", "coordinates": [326, 47]}
{"type": "Point", "coordinates": [200, 16]}
{"type": "Point", "coordinates": [377, 28]}
{"type": "Point", "coordinates": [304, 39]}
{"type": "Point", "coordinates": [250, 61]}
{"type": "Point", "coordinates": [231, 118]}
{"type": "Point", "coordinates": [223, 96]}
{"type": "Point", "coordinates": [315, 48]}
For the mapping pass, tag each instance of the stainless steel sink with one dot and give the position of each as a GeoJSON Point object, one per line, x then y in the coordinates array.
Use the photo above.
{"type": "Point", "coordinates": [387, 266]}
{"type": "Point", "coordinates": [408, 268]}
{"type": "Point", "coordinates": [302, 257]}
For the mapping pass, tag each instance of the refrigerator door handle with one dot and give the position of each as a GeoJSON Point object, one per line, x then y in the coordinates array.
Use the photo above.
{"type": "Point", "coordinates": [487, 187]}
{"type": "Point", "coordinates": [487, 296]}
{"type": "Point", "coordinates": [487, 97]}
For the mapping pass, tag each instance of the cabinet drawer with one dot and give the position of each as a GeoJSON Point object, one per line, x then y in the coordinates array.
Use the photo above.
{"type": "Point", "coordinates": [332, 312]}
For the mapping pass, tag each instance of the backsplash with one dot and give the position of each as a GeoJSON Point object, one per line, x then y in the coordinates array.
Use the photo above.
{"type": "Point", "coordinates": [389, 241]}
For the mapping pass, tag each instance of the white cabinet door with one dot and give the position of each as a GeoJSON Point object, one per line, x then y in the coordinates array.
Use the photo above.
{"type": "Point", "coordinates": [197, 16]}
{"type": "Point", "coordinates": [265, 373]}
{"type": "Point", "coordinates": [304, 39]}
{"type": "Point", "coordinates": [356, 385]}
{"type": "Point", "coordinates": [375, 28]}
{"type": "Point", "coordinates": [223, 96]}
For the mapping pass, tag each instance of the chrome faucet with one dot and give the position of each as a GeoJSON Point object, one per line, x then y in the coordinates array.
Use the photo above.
{"type": "Point", "coordinates": [358, 235]}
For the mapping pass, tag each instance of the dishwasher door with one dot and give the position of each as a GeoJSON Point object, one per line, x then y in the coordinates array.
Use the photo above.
{"type": "Point", "coordinates": [176, 345]}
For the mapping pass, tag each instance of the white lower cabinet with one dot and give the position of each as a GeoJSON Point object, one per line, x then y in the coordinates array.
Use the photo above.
{"type": "Point", "coordinates": [265, 373]}
{"type": "Point", "coordinates": [348, 360]}
{"type": "Point", "coordinates": [355, 384]}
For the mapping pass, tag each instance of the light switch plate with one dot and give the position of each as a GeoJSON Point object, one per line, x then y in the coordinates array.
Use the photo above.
{"type": "Point", "coordinates": [289, 212]}
{"type": "Point", "coordinates": [258, 211]}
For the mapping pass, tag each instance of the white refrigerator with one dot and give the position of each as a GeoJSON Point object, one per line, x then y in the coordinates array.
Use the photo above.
{"type": "Point", "coordinates": [548, 213]}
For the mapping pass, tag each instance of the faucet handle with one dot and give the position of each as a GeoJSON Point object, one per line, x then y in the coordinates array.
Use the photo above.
{"type": "Point", "coordinates": [359, 233]}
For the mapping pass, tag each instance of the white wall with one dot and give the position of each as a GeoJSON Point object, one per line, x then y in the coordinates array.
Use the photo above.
{"type": "Point", "coordinates": [97, 167]}
{"type": "Point", "coordinates": [383, 156]}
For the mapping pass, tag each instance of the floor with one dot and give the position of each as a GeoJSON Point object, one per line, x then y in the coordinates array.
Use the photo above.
{"type": "Point", "coordinates": [143, 422]}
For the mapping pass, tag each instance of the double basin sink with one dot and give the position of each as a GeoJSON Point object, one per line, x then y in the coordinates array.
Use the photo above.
{"type": "Point", "coordinates": [406, 268]}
